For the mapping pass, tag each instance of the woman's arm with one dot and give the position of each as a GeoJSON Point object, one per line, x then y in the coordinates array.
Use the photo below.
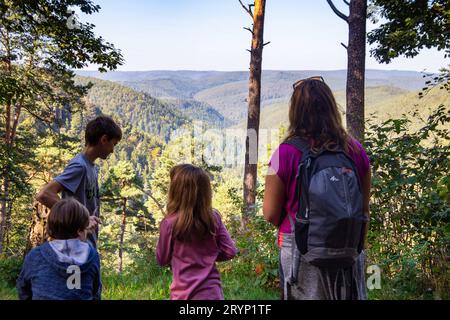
{"type": "Point", "coordinates": [273, 198]}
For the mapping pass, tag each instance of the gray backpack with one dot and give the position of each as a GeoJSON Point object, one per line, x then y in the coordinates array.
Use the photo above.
{"type": "Point", "coordinates": [330, 222]}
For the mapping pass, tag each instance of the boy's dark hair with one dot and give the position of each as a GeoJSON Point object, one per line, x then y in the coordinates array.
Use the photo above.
{"type": "Point", "coordinates": [66, 218]}
{"type": "Point", "coordinates": [100, 126]}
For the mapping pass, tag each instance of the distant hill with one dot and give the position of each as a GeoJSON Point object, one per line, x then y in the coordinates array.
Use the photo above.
{"type": "Point", "coordinates": [200, 111]}
{"type": "Point", "coordinates": [227, 92]}
{"type": "Point", "coordinates": [151, 115]}
{"type": "Point", "coordinates": [382, 103]}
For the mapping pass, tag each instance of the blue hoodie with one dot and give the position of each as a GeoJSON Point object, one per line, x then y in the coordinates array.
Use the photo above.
{"type": "Point", "coordinates": [61, 270]}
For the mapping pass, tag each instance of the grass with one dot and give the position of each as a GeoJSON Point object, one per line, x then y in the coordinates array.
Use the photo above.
{"type": "Point", "coordinates": [152, 283]}
{"type": "Point", "coordinates": [238, 287]}
{"type": "Point", "coordinates": [155, 286]}
{"type": "Point", "coordinates": [147, 281]}
{"type": "Point", "coordinates": [7, 292]}
{"type": "Point", "coordinates": [151, 286]}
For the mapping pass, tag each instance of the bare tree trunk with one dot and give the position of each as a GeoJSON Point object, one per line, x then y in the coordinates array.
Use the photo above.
{"type": "Point", "coordinates": [254, 103]}
{"type": "Point", "coordinates": [3, 210]}
{"type": "Point", "coordinates": [4, 195]}
{"type": "Point", "coordinates": [8, 226]}
{"type": "Point", "coordinates": [122, 233]}
{"type": "Point", "coordinates": [356, 64]}
{"type": "Point", "coordinates": [356, 54]}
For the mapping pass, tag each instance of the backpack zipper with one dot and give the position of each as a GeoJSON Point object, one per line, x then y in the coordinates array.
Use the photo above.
{"type": "Point", "coordinates": [348, 205]}
{"type": "Point", "coordinates": [308, 163]}
{"type": "Point", "coordinates": [347, 200]}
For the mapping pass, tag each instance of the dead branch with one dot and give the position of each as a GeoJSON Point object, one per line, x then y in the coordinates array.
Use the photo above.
{"type": "Point", "coordinates": [249, 9]}
{"type": "Point", "coordinates": [337, 12]}
{"type": "Point", "coordinates": [251, 31]}
{"type": "Point", "coordinates": [161, 208]}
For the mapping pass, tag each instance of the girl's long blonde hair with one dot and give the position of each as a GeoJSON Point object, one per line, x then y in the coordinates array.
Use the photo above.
{"type": "Point", "coordinates": [190, 198]}
{"type": "Point", "coordinates": [314, 116]}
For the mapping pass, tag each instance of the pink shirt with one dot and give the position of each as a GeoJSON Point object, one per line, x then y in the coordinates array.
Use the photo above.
{"type": "Point", "coordinates": [195, 276]}
{"type": "Point", "coordinates": [285, 162]}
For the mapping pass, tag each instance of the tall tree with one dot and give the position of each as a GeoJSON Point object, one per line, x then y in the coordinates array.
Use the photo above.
{"type": "Point", "coordinates": [39, 45]}
{"type": "Point", "coordinates": [356, 64]}
{"type": "Point", "coordinates": [254, 105]}
{"type": "Point", "coordinates": [409, 26]}
{"type": "Point", "coordinates": [122, 190]}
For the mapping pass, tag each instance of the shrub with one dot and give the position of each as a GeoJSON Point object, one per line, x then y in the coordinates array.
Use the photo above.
{"type": "Point", "coordinates": [410, 204]}
{"type": "Point", "coordinates": [10, 269]}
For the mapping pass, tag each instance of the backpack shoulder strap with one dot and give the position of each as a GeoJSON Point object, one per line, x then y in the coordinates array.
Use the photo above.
{"type": "Point", "coordinates": [300, 144]}
{"type": "Point", "coordinates": [303, 146]}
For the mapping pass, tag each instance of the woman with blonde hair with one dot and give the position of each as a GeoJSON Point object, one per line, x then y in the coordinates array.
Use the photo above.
{"type": "Point", "coordinates": [316, 126]}
{"type": "Point", "coordinates": [193, 237]}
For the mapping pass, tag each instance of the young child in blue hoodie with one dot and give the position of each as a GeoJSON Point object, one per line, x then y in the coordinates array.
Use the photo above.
{"type": "Point", "coordinates": [67, 267]}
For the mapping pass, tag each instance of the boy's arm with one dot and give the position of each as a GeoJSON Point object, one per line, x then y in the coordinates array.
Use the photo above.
{"type": "Point", "coordinates": [48, 195]}
{"type": "Point", "coordinates": [69, 180]}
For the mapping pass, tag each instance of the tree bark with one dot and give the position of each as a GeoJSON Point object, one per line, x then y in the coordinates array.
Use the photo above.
{"type": "Point", "coordinates": [254, 102]}
{"type": "Point", "coordinates": [3, 210]}
{"type": "Point", "coordinates": [122, 233]}
{"type": "Point", "coordinates": [356, 55]}
{"type": "Point", "coordinates": [38, 233]}
{"type": "Point", "coordinates": [4, 194]}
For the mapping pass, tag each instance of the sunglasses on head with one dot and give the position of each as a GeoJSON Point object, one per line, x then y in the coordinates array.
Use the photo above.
{"type": "Point", "coordinates": [318, 78]}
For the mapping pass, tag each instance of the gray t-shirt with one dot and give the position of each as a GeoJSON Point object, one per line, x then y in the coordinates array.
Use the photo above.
{"type": "Point", "coordinates": [80, 180]}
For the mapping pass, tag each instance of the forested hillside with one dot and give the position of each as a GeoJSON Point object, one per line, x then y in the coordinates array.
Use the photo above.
{"type": "Point", "coordinates": [226, 92]}
{"type": "Point", "coordinates": [157, 116]}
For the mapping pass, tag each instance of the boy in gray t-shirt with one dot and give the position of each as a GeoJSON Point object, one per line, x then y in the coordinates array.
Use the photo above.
{"type": "Point", "coordinates": [80, 177]}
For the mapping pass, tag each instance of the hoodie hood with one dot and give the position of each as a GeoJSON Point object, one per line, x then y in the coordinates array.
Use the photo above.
{"type": "Point", "coordinates": [71, 251]}
{"type": "Point", "coordinates": [61, 254]}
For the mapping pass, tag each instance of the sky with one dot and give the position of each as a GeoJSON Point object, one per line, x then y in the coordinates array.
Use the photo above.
{"type": "Point", "coordinates": [209, 35]}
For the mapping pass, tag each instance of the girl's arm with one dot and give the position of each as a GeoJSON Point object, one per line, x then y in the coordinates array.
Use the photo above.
{"type": "Point", "coordinates": [227, 248]}
{"type": "Point", "coordinates": [164, 246]}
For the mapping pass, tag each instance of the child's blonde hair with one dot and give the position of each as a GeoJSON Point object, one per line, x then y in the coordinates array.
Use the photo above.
{"type": "Point", "coordinates": [190, 197]}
